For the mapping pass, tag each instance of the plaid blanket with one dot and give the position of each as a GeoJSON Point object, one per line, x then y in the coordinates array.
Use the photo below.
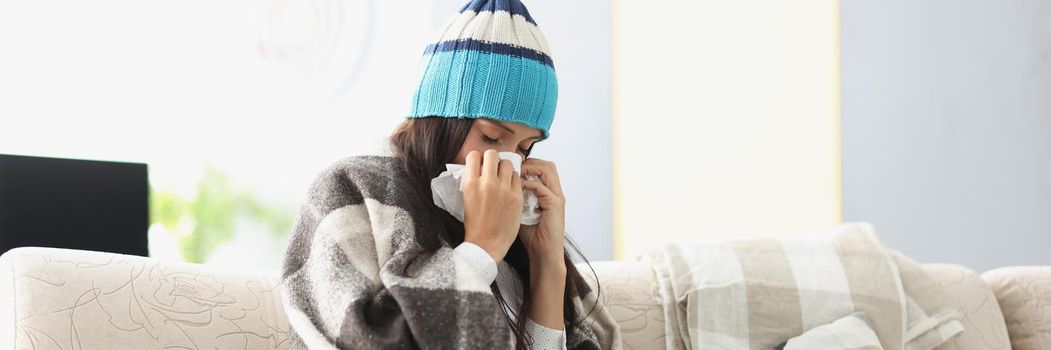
{"type": "Point", "coordinates": [362, 271]}
{"type": "Point", "coordinates": [758, 293]}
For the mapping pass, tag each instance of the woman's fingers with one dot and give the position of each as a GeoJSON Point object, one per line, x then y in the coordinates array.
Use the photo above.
{"type": "Point", "coordinates": [506, 170]}
{"type": "Point", "coordinates": [545, 170]}
{"type": "Point", "coordinates": [490, 163]}
{"type": "Point", "coordinates": [516, 181]}
{"type": "Point", "coordinates": [473, 166]}
{"type": "Point", "coordinates": [543, 193]}
{"type": "Point", "coordinates": [493, 166]}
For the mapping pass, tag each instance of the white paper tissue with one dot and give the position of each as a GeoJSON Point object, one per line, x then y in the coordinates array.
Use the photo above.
{"type": "Point", "coordinates": [448, 192]}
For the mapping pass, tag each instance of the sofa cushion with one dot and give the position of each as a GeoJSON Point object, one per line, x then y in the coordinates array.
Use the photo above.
{"type": "Point", "coordinates": [1024, 294]}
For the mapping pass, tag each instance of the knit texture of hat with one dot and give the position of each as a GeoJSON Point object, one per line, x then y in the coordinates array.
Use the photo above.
{"type": "Point", "coordinates": [491, 60]}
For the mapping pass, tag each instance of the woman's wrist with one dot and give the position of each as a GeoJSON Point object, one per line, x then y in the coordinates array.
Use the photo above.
{"type": "Point", "coordinates": [547, 286]}
{"type": "Point", "coordinates": [548, 263]}
{"type": "Point", "coordinates": [546, 256]}
{"type": "Point", "coordinates": [547, 272]}
{"type": "Point", "coordinates": [488, 247]}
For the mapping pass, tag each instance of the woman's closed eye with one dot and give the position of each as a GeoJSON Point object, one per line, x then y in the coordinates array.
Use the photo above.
{"type": "Point", "coordinates": [493, 141]}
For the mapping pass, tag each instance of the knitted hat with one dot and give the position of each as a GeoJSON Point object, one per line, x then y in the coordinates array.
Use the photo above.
{"type": "Point", "coordinates": [491, 60]}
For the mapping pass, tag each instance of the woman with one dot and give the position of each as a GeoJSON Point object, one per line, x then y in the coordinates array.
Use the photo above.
{"type": "Point", "coordinates": [373, 263]}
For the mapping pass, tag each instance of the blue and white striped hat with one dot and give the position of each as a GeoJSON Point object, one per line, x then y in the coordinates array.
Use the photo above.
{"type": "Point", "coordinates": [491, 60]}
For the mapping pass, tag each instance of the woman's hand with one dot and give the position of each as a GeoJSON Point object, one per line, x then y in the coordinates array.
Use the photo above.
{"type": "Point", "coordinates": [544, 240]}
{"type": "Point", "coordinates": [492, 194]}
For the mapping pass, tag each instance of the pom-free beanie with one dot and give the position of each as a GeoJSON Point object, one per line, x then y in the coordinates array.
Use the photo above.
{"type": "Point", "coordinates": [491, 60]}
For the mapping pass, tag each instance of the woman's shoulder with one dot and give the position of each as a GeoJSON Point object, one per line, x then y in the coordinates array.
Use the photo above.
{"type": "Point", "coordinates": [359, 170]}
{"type": "Point", "coordinates": [353, 179]}
{"type": "Point", "coordinates": [376, 163]}
{"type": "Point", "coordinates": [369, 165]}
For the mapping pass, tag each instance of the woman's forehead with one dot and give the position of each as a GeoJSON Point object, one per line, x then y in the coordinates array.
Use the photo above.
{"type": "Point", "coordinates": [513, 127]}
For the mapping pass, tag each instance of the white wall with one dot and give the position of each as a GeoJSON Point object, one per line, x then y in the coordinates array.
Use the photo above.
{"type": "Point", "coordinates": [726, 118]}
{"type": "Point", "coordinates": [947, 127]}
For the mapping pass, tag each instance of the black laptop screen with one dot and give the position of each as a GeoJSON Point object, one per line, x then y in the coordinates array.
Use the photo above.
{"type": "Point", "coordinates": [79, 204]}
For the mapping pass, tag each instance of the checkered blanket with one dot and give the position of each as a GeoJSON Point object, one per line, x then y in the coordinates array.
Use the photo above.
{"type": "Point", "coordinates": [757, 293]}
{"type": "Point", "coordinates": [364, 270]}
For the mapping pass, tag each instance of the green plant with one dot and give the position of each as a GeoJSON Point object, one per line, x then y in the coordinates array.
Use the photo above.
{"type": "Point", "coordinates": [205, 221]}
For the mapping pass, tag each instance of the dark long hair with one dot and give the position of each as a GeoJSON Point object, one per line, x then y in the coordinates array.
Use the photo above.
{"type": "Point", "coordinates": [423, 146]}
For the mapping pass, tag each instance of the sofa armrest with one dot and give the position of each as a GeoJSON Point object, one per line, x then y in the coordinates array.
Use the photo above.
{"type": "Point", "coordinates": [64, 298]}
{"type": "Point", "coordinates": [629, 293]}
{"type": "Point", "coordinates": [983, 321]}
{"type": "Point", "coordinates": [1024, 294]}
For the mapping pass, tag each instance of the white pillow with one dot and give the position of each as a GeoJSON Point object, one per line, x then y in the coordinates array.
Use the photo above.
{"type": "Point", "coordinates": [853, 332]}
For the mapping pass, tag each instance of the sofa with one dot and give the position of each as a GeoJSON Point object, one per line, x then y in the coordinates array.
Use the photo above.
{"type": "Point", "coordinates": [73, 299]}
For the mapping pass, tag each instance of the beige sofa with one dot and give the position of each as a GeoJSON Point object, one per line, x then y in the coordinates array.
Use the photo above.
{"type": "Point", "coordinates": [71, 299]}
